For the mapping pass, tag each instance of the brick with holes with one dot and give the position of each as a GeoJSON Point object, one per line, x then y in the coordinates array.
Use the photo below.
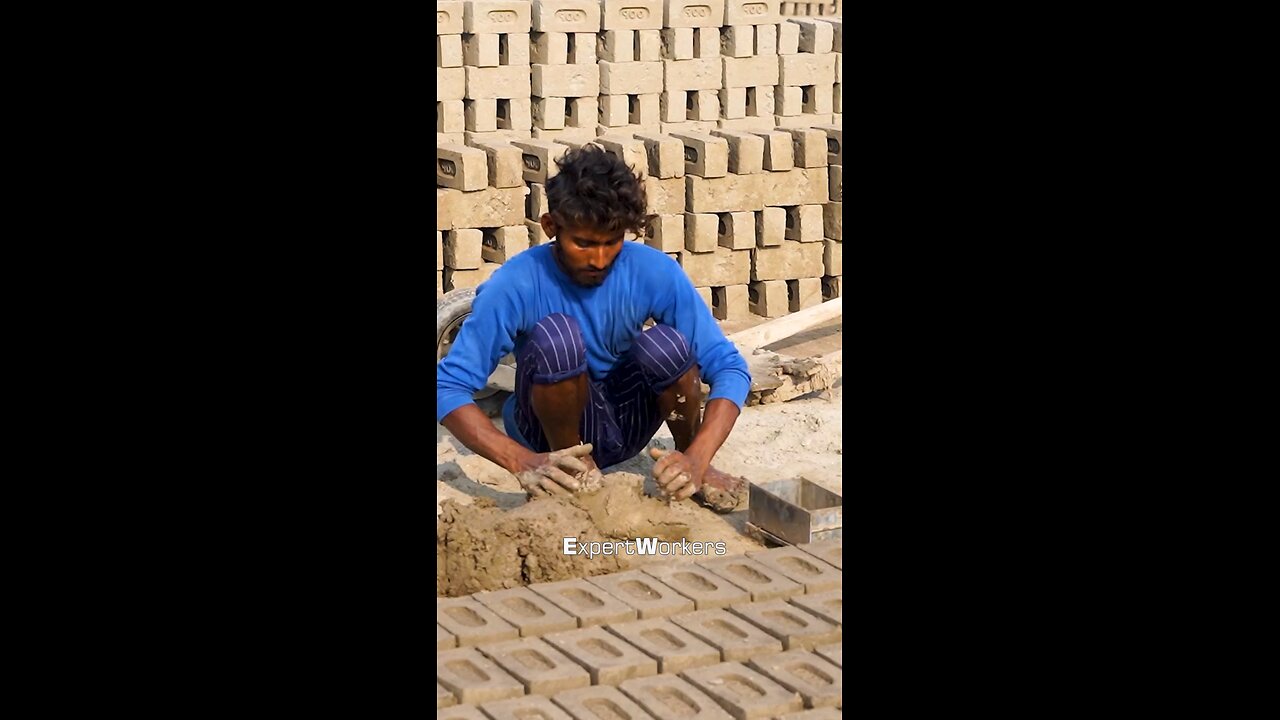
{"type": "Point", "coordinates": [803, 293]}
{"type": "Point", "coordinates": [796, 628]}
{"type": "Point", "coordinates": [736, 231]}
{"type": "Point", "coordinates": [631, 14]}
{"type": "Point", "coordinates": [730, 302]}
{"type": "Point", "coordinates": [566, 16]}
{"type": "Point", "coordinates": [706, 589]}
{"type": "Point", "coordinates": [649, 596]}
{"type": "Point", "coordinates": [587, 603]}
{"type": "Point", "coordinates": [701, 232]}
{"type": "Point", "coordinates": [768, 298]}
{"type": "Point", "coordinates": [497, 16]}
{"type": "Point", "coordinates": [733, 636]}
{"type": "Point", "coordinates": [762, 582]}
{"type": "Point", "coordinates": [540, 667]}
{"type": "Point", "coordinates": [673, 647]}
{"type": "Point", "coordinates": [606, 657]}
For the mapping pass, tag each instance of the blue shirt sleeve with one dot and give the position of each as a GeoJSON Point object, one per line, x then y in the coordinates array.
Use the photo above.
{"type": "Point", "coordinates": [722, 366]}
{"type": "Point", "coordinates": [487, 335]}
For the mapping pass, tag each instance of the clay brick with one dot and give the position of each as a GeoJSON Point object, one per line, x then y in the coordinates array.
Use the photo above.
{"type": "Point", "coordinates": [706, 42]}
{"type": "Point", "coordinates": [688, 126]}
{"type": "Point", "coordinates": [665, 155]}
{"type": "Point", "coordinates": [816, 36]}
{"type": "Point", "coordinates": [701, 234]}
{"type": "Point", "coordinates": [491, 207]}
{"type": "Point", "coordinates": [548, 113]}
{"type": "Point", "coordinates": [648, 45]}
{"type": "Point", "coordinates": [615, 110]}
{"type": "Point", "coordinates": [717, 268]}
{"type": "Point", "coordinates": [677, 43]}
{"type": "Point", "coordinates": [449, 17]}
{"type": "Point", "coordinates": [667, 696]}
{"type": "Point", "coordinates": [530, 613]}
{"type": "Point", "coordinates": [732, 193]}
{"type": "Point", "coordinates": [461, 712]}
{"type": "Point", "coordinates": [617, 46]}
{"type": "Point", "coordinates": [540, 667]}
{"type": "Point", "coordinates": [762, 582]}
{"type": "Point", "coordinates": [809, 146]}
{"type": "Point", "coordinates": [462, 250]}
{"type": "Point", "coordinates": [733, 103]}
{"type": "Point", "coordinates": [747, 124]}
{"type": "Point", "coordinates": [828, 605]}
{"type": "Point", "coordinates": [818, 714]}
{"type": "Point", "coordinates": [470, 621]}
{"type": "Point", "coordinates": [803, 293]}
{"type": "Point", "coordinates": [565, 80]}
{"type": "Point", "coordinates": [648, 595]}
{"type": "Point", "coordinates": [835, 185]}
{"type": "Point", "coordinates": [480, 115]}
{"type": "Point", "coordinates": [706, 589]}
{"type": "Point", "coordinates": [582, 113]}
{"type": "Point", "coordinates": [833, 653]}
{"type": "Point", "coordinates": [630, 78]}
{"type": "Point", "coordinates": [496, 16]}
{"type": "Point", "coordinates": [693, 13]}
{"type": "Point", "coordinates": [549, 48]}
{"type": "Point", "coordinates": [806, 69]}
{"type": "Point", "coordinates": [449, 51]}
{"type": "Point", "coordinates": [503, 160]}
{"type": "Point", "coordinates": [829, 551]}
{"type": "Point", "coordinates": [779, 152]}
{"type": "Point", "coordinates": [631, 15]}
{"type": "Point", "coordinates": [705, 156]}
{"type": "Point", "coordinates": [833, 228]}
{"type": "Point", "coordinates": [766, 40]}
{"type": "Point", "coordinates": [444, 639]}
{"type": "Point", "coordinates": [643, 111]}
{"type": "Point", "coordinates": [804, 223]}
{"type": "Point", "coordinates": [666, 233]}
{"type": "Point", "coordinates": [501, 244]}
{"type": "Point", "coordinates": [582, 48]}
{"type": "Point", "coordinates": [444, 698]}
{"type": "Point", "coordinates": [665, 196]}
{"type": "Point", "coordinates": [798, 186]}
{"type": "Point", "coordinates": [752, 12]}
{"type": "Point", "coordinates": [474, 678]}
{"type": "Point", "coordinates": [703, 105]}
{"type": "Point", "coordinates": [816, 575]}
{"type": "Point", "coordinates": [737, 42]}
{"type": "Point", "coordinates": [837, 104]}
{"type": "Point", "coordinates": [795, 627]}
{"type": "Point", "coordinates": [818, 681]}
{"type": "Point", "coordinates": [760, 104]}
{"type": "Point", "coordinates": [736, 231]}
{"type": "Point", "coordinates": [533, 707]}
{"type": "Point", "coordinates": [599, 703]}
{"type": "Point", "coordinates": [788, 101]}
{"type": "Point", "coordinates": [536, 203]}
{"type": "Point", "coordinates": [734, 637]}
{"type": "Point", "coordinates": [830, 288]}
{"type": "Point", "coordinates": [505, 81]}
{"type": "Point", "coordinates": [566, 16]}
{"type": "Point", "coordinates": [456, 138]}
{"type": "Point", "coordinates": [742, 692]}
{"type": "Point", "coordinates": [538, 158]}
{"type": "Point", "coordinates": [629, 150]}
{"type": "Point", "coordinates": [703, 292]}
{"type": "Point", "coordinates": [701, 74]}
{"type": "Point", "coordinates": [768, 298]}
{"type": "Point", "coordinates": [587, 603]}
{"type": "Point", "coordinates": [789, 261]}
{"type": "Point", "coordinates": [751, 71]}
{"type": "Point", "coordinates": [449, 117]}
{"type": "Point", "coordinates": [730, 303]}
{"type": "Point", "coordinates": [746, 151]}
{"type": "Point", "coordinates": [788, 39]}
{"type": "Point", "coordinates": [480, 50]}
{"type": "Point", "coordinates": [803, 120]}
{"type": "Point", "coordinates": [835, 143]}
{"type": "Point", "coordinates": [515, 114]}
{"type": "Point", "coordinates": [608, 658]}
{"type": "Point", "coordinates": [815, 99]}
{"type": "Point", "coordinates": [673, 647]}
{"type": "Point", "coordinates": [771, 227]}
{"type": "Point", "coordinates": [537, 236]}
{"type": "Point", "coordinates": [451, 83]}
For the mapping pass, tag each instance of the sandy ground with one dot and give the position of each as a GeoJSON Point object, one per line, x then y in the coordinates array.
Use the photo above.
{"type": "Point", "coordinates": [800, 438]}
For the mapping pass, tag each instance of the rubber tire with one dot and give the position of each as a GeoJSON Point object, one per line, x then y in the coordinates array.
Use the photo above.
{"type": "Point", "coordinates": [455, 305]}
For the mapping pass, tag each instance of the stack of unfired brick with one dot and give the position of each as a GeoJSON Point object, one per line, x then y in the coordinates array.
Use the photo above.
{"type": "Point", "coordinates": [728, 110]}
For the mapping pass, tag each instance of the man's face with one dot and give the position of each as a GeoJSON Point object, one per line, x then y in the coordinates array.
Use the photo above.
{"type": "Point", "coordinates": [585, 254]}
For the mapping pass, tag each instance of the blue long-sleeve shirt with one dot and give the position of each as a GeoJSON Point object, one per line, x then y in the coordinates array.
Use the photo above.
{"type": "Point", "coordinates": [643, 283]}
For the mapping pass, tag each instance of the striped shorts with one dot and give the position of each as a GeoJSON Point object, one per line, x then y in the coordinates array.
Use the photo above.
{"type": "Point", "coordinates": [621, 415]}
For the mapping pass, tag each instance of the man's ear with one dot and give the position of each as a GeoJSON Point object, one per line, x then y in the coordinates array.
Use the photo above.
{"type": "Point", "coordinates": [549, 226]}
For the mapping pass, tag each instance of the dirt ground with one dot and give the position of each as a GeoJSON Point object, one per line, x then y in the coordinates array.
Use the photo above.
{"type": "Point", "coordinates": [489, 537]}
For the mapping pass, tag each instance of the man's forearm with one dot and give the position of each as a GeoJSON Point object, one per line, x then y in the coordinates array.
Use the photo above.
{"type": "Point", "coordinates": [474, 429]}
{"type": "Point", "coordinates": [717, 423]}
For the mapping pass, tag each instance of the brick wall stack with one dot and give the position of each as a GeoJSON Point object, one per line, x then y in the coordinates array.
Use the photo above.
{"type": "Point", "coordinates": [728, 110]}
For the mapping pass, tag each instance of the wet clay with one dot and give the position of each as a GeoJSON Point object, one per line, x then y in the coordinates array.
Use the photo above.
{"type": "Point", "coordinates": [480, 547]}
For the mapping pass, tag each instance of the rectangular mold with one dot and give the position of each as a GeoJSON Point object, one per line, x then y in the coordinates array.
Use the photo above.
{"type": "Point", "coordinates": [796, 511]}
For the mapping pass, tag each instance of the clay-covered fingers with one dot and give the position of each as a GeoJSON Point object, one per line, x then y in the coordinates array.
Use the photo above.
{"type": "Point", "coordinates": [657, 453]}
{"type": "Point", "coordinates": [557, 476]}
{"type": "Point", "coordinates": [570, 464]}
{"type": "Point", "coordinates": [551, 487]}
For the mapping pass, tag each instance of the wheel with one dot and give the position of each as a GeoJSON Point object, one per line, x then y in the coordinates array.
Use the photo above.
{"type": "Point", "coordinates": [452, 310]}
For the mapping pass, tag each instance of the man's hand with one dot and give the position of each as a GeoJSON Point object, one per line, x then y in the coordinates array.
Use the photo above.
{"type": "Point", "coordinates": [556, 473]}
{"type": "Point", "coordinates": [678, 476]}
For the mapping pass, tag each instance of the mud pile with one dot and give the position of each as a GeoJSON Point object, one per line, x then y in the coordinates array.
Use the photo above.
{"type": "Point", "coordinates": [482, 547]}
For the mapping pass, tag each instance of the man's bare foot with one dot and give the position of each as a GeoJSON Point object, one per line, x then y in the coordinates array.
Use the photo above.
{"type": "Point", "coordinates": [720, 491]}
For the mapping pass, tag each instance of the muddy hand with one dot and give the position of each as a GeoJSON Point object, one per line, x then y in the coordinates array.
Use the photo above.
{"type": "Point", "coordinates": [557, 472]}
{"type": "Point", "coordinates": [675, 474]}
{"type": "Point", "coordinates": [721, 491]}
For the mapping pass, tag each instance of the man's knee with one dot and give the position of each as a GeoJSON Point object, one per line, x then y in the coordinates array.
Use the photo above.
{"type": "Point", "coordinates": [664, 355]}
{"type": "Point", "coordinates": [558, 350]}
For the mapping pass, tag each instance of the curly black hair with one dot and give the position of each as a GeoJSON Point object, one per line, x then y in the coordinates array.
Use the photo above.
{"type": "Point", "coordinates": [598, 190]}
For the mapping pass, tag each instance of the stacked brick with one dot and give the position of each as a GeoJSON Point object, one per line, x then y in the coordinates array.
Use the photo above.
{"type": "Point", "coordinates": [727, 110]}
{"type": "Point", "coordinates": [746, 636]}
{"type": "Point", "coordinates": [819, 9]}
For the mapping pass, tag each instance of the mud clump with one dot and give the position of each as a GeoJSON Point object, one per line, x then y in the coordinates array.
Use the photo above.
{"type": "Point", "coordinates": [480, 547]}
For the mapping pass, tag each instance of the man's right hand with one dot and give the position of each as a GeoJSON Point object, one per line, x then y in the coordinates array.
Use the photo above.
{"type": "Point", "coordinates": [554, 473]}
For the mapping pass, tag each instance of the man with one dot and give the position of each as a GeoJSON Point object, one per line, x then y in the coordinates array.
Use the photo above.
{"type": "Point", "coordinates": [587, 371]}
